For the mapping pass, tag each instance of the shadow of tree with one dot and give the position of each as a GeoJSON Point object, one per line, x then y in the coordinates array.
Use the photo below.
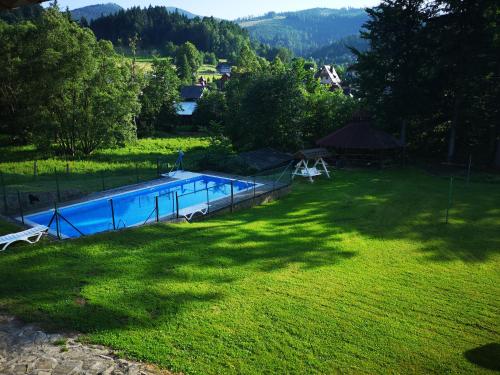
{"type": "Point", "coordinates": [150, 275]}
{"type": "Point", "coordinates": [486, 356]}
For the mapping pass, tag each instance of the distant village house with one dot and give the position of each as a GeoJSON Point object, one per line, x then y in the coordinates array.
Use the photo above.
{"type": "Point", "coordinates": [224, 68]}
{"type": "Point", "coordinates": [190, 96]}
{"type": "Point", "coordinates": [328, 76]}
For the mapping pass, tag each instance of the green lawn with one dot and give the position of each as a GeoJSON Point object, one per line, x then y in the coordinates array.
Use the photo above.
{"type": "Point", "coordinates": [118, 166]}
{"type": "Point", "coordinates": [357, 274]}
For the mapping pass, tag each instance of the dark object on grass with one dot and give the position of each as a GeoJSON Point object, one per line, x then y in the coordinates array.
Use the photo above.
{"type": "Point", "coordinates": [33, 199]}
{"type": "Point", "coordinates": [486, 356]}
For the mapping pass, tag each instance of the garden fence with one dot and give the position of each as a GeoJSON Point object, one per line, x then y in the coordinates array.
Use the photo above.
{"type": "Point", "coordinates": [167, 206]}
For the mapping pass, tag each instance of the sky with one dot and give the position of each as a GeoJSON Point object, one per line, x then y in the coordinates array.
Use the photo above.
{"type": "Point", "coordinates": [229, 9]}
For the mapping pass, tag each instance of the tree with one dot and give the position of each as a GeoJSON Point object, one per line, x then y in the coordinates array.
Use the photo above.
{"type": "Point", "coordinates": [16, 49]}
{"type": "Point", "coordinates": [159, 98]}
{"type": "Point", "coordinates": [188, 52]}
{"type": "Point", "coordinates": [78, 92]}
{"type": "Point", "coordinates": [184, 71]}
{"type": "Point", "coordinates": [390, 71]}
{"type": "Point", "coordinates": [248, 61]}
{"type": "Point", "coordinates": [210, 58]}
{"type": "Point", "coordinates": [211, 109]}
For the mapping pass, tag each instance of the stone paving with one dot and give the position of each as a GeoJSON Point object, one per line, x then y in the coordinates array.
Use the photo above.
{"type": "Point", "coordinates": [25, 349]}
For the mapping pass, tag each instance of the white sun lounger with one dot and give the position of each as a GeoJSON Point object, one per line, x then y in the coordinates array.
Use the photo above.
{"type": "Point", "coordinates": [189, 212]}
{"type": "Point", "coordinates": [36, 232]}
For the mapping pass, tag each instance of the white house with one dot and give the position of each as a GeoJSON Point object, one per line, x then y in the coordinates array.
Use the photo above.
{"type": "Point", "coordinates": [329, 76]}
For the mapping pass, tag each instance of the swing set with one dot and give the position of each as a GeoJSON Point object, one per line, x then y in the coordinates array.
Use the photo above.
{"type": "Point", "coordinates": [319, 167]}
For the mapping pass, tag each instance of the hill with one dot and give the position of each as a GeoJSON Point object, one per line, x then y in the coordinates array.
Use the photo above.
{"type": "Point", "coordinates": [183, 12]}
{"type": "Point", "coordinates": [305, 31]}
{"type": "Point", "coordinates": [338, 52]}
{"type": "Point", "coordinates": [92, 12]}
{"type": "Point", "coordinates": [157, 26]}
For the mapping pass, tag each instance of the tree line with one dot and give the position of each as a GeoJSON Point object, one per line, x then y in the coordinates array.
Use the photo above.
{"type": "Point", "coordinates": [432, 74]}
{"type": "Point", "coordinates": [157, 28]}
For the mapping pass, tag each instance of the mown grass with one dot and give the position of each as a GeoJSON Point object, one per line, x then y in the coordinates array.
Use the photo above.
{"type": "Point", "coordinates": [355, 274]}
{"type": "Point", "coordinates": [119, 166]}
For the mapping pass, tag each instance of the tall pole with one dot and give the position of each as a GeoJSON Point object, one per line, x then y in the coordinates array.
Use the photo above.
{"type": "Point", "coordinates": [468, 169]}
{"type": "Point", "coordinates": [4, 192]}
{"type": "Point", "coordinates": [232, 195]}
{"type": "Point", "coordinates": [112, 213]}
{"type": "Point", "coordinates": [57, 186]}
{"type": "Point", "coordinates": [20, 206]}
{"type": "Point", "coordinates": [177, 203]}
{"type": "Point", "coordinates": [56, 214]}
{"type": "Point", "coordinates": [157, 210]}
{"type": "Point", "coordinates": [450, 197]}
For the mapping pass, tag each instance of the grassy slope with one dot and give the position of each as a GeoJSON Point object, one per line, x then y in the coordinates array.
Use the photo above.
{"type": "Point", "coordinates": [118, 165]}
{"type": "Point", "coordinates": [355, 274]}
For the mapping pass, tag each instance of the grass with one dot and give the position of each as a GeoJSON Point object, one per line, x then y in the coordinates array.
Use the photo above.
{"type": "Point", "coordinates": [356, 274]}
{"type": "Point", "coordinates": [206, 71]}
{"type": "Point", "coordinates": [118, 167]}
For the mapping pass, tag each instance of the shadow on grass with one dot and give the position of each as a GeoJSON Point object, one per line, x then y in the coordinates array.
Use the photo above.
{"type": "Point", "coordinates": [486, 356]}
{"type": "Point", "coordinates": [137, 277]}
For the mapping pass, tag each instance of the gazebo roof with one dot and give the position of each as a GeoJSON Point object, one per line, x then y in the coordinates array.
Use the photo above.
{"type": "Point", "coordinates": [313, 153]}
{"type": "Point", "coordinates": [360, 135]}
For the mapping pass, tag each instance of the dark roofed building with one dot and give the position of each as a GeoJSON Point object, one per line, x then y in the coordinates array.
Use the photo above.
{"type": "Point", "coordinates": [360, 135]}
{"type": "Point", "coordinates": [264, 159]}
{"type": "Point", "coordinates": [191, 93]}
{"type": "Point", "coordinates": [224, 68]}
{"type": "Point", "coordinates": [359, 143]}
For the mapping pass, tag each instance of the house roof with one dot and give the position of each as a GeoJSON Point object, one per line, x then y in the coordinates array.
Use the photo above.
{"type": "Point", "coordinates": [312, 153]}
{"type": "Point", "coordinates": [186, 108]}
{"type": "Point", "coordinates": [266, 158]}
{"type": "Point", "coordinates": [360, 135]}
{"type": "Point", "coordinates": [331, 72]}
{"type": "Point", "coordinates": [192, 92]}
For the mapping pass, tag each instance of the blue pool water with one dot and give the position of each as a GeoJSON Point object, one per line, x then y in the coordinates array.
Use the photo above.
{"type": "Point", "coordinates": [137, 207]}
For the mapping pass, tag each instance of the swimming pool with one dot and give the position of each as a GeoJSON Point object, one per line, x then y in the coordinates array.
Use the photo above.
{"type": "Point", "coordinates": [137, 207]}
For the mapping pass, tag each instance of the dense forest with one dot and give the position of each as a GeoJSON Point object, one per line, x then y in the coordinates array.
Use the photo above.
{"type": "Point", "coordinates": [340, 51]}
{"type": "Point", "coordinates": [156, 26]}
{"type": "Point", "coordinates": [305, 31]}
{"type": "Point", "coordinates": [432, 74]}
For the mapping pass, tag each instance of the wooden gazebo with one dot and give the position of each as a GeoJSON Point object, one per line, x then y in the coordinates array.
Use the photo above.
{"type": "Point", "coordinates": [359, 141]}
{"type": "Point", "coordinates": [319, 167]}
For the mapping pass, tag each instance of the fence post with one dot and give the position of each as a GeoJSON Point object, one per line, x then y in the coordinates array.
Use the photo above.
{"type": "Point", "coordinates": [112, 213]}
{"type": "Point", "coordinates": [136, 173]}
{"type": "Point", "coordinates": [67, 169]}
{"type": "Point", "coordinates": [56, 213]}
{"type": "Point", "coordinates": [450, 196]}
{"type": "Point", "coordinates": [177, 203]}
{"type": "Point", "coordinates": [4, 192]}
{"type": "Point", "coordinates": [173, 203]}
{"type": "Point", "coordinates": [57, 185]}
{"type": "Point", "coordinates": [102, 181]}
{"type": "Point", "coordinates": [254, 188]}
{"type": "Point", "coordinates": [158, 172]}
{"type": "Point", "coordinates": [468, 169]}
{"type": "Point", "coordinates": [20, 206]}
{"type": "Point", "coordinates": [35, 169]}
{"type": "Point", "coordinates": [157, 210]}
{"type": "Point", "coordinates": [208, 201]}
{"type": "Point", "coordinates": [232, 195]}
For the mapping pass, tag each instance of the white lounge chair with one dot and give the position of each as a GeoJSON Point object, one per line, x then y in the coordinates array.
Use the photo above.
{"type": "Point", "coordinates": [189, 212]}
{"type": "Point", "coordinates": [36, 232]}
